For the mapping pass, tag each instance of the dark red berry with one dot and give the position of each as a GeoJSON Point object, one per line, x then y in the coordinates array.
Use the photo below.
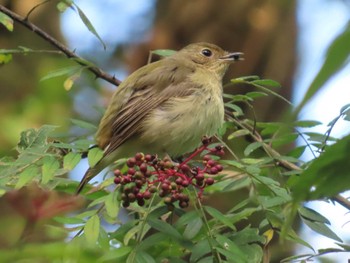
{"type": "Point", "coordinates": [125, 204]}
{"type": "Point", "coordinates": [211, 163]}
{"type": "Point", "coordinates": [143, 167]}
{"type": "Point", "coordinates": [179, 181]}
{"type": "Point", "coordinates": [117, 180]}
{"type": "Point", "coordinates": [213, 170]}
{"type": "Point", "coordinates": [138, 156]}
{"type": "Point", "coordinates": [117, 172]}
{"type": "Point", "coordinates": [185, 183]}
{"type": "Point", "coordinates": [165, 186]}
{"type": "Point", "coordinates": [131, 171]}
{"type": "Point", "coordinates": [147, 195]}
{"type": "Point", "coordinates": [206, 157]}
{"type": "Point", "coordinates": [183, 204]}
{"type": "Point", "coordinates": [149, 158]}
{"type": "Point", "coordinates": [185, 168]}
{"type": "Point", "coordinates": [219, 167]}
{"type": "Point", "coordinates": [131, 162]}
{"type": "Point", "coordinates": [200, 177]}
{"type": "Point", "coordinates": [131, 197]}
{"type": "Point", "coordinates": [209, 181]}
{"type": "Point", "coordinates": [140, 202]}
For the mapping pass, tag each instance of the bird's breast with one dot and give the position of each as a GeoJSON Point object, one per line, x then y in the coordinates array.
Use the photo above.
{"type": "Point", "coordinates": [177, 126]}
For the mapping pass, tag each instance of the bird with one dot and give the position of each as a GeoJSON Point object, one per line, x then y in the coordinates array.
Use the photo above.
{"type": "Point", "coordinates": [165, 107]}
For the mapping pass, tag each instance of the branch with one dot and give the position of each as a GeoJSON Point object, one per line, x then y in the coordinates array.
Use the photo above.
{"type": "Point", "coordinates": [99, 73]}
{"type": "Point", "coordinates": [283, 163]}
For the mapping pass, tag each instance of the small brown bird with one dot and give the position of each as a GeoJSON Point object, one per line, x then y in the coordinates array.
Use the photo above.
{"type": "Point", "coordinates": [165, 107]}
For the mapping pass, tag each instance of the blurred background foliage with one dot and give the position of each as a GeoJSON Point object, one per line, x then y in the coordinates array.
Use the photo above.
{"type": "Point", "coordinates": [264, 30]}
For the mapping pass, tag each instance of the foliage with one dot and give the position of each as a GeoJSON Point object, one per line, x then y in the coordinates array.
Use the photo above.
{"type": "Point", "coordinates": [267, 178]}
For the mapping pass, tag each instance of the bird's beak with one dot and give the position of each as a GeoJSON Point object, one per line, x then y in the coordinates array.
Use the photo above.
{"type": "Point", "coordinates": [231, 57]}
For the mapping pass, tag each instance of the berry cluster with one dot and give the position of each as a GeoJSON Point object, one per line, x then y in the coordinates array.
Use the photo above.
{"type": "Point", "coordinates": [148, 175]}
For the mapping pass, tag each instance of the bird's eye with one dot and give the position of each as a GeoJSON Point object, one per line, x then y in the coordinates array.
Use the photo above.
{"type": "Point", "coordinates": [207, 52]}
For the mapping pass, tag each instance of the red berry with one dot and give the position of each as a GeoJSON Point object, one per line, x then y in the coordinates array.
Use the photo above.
{"type": "Point", "coordinates": [138, 156]}
{"type": "Point", "coordinates": [141, 202]}
{"type": "Point", "coordinates": [117, 180]}
{"type": "Point", "coordinates": [211, 163]}
{"type": "Point", "coordinates": [152, 189]}
{"type": "Point", "coordinates": [200, 177]}
{"type": "Point", "coordinates": [117, 172]}
{"type": "Point", "coordinates": [219, 167]}
{"type": "Point", "coordinates": [185, 168]}
{"type": "Point", "coordinates": [209, 181]}
{"type": "Point", "coordinates": [131, 171]}
{"type": "Point", "coordinates": [183, 204]}
{"type": "Point", "coordinates": [206, 157]}
{"type": "Point", "coordinates": [179, 181]}
{"type": "Point", "coordinates": [147, 195]}
{"type": "Point", "coordinates": [131, 162]}
{"type": "Point", "coordinates": [213, 170]}
{"type": "Point", "coordinates": [143, 167]}
{"type": "Point", "coordinates": [165, 186]}
{"type": "Point", "coordinates": [149, 158]}
{"type": "Point", "coordinates": [185, 183]}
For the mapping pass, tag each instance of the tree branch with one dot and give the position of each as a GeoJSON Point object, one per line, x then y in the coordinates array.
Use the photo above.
{"type": "Point", "coordinates": [99, 73]}
{"type": "Point", "coordinates": [283, 163]}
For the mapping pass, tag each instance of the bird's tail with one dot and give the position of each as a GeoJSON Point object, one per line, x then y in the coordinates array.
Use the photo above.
{"type": "Point", "coordinates": [89, 174]}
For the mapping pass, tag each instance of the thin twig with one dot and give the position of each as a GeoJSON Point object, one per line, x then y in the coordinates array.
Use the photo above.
{"type": "Point", "coordinates": [99, 73]}
{"type": "Point", "coordinates": [283, 163]}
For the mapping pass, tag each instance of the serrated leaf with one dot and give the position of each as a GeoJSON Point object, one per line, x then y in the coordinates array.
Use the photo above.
{"type": "Point", "coordinates": [35, 138]}
{"type": "Point", "coordinates": [252, 147]}
{"type": "Point", "coordinates": [267, 83]}
{"type": "Point", "coordinates": [94, 156]}
{"type": "Point", "coordinates": [219, 216]}
{"type": "Point", "coordinates": [50, 166]}
{"type": "Point", "coordinates": [238, 133]}
{"type": "Point", "coordinates": [26, 176]}
{"type": "Point", "coordinates": [71, 160]}
{"type": "Point", "coordinates": [84, 124]}
{"type": "Point", "coordinates": [112, 204]}
{"type": "Point", "coordinates": [322, 229]}
{"type": "Point", "coordinates": [89, 25]}
{"type": "Point", "coordinates": [92, 230]}
{"type": "Point", "coordinates": [164, 52]}
{"type": "Point", "coordinates": [6, 21]}
{"type": "Point", "coordinates": [5, 58]}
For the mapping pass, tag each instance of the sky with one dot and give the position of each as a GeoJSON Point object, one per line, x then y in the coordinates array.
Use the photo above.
{"type": "Point", "coordinates": [319, 21]}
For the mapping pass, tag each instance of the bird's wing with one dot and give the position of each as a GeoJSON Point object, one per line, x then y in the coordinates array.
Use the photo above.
{"type": "Point", "coordinates": [149, 91]}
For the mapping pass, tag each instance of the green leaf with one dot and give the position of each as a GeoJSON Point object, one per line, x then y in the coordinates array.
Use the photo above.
{"type": "Point", "coordinates": [50, 166]}
{"type": "Point", "coordinates": [92, 230]}
{"type": "Point", "coordinates": [62, 72]}
{"type": "Point", "coordinates": [321, 229]}
{"type": "Point", "coordinates": [63, 5]}
{"type": "Point", "coordinates": [337, 57]}
{"type": "Point", "coordinates": [328, 175]}
{"type": "Point", "coordinates": [5, 58]}
{"type": "Point", "coordinates": [164, 52]}
{"type": "Point", "coordinates": [6, 21]}
{"type": "Point", "coordinates": [94, 156]}
{"type": "Point", "coordinates": [312, 215]}
{"type": "Point", "coordinates": [26, 176]}
{"type": "Point", "coordinates": [307, 123]}
{"type": "Point", "coordinates": [115, 254]}
{"type": "Point", "coordinates": [267, 83]}
{"type": "Point", "coordinates": [112, 204]}
{"type": "Point", "coordinates": [89, 25]}
{"type": "Point", "coordinates": [163, 227]}
{"type": "Point", "coordinates": [216, 214]}
{"type": "Point", "coordinates": [69, 220]}
{"type": "Point", "coordinates": [85, 125]}
{"type": "Point", "coordinates": [71, 160]}
{"type": "Point", "coordinates": [256, 94]}
{"type": "Point", "coordinates": [245, 79]}
{"type": "Point", "coordinates": [193, 228]}
{"type": "Point", "coordinates": [32, 138]}
{"type": "Point", "coordinates": [252, 147]}
{"type": "Point", "coordinates": [238, 133]}
{"type": "Point", "coordinates": [143, 257]}
{"type": "Point", "coordinates": [230, 249]}
{"type": "Point", "coordinates": [199, 250]}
